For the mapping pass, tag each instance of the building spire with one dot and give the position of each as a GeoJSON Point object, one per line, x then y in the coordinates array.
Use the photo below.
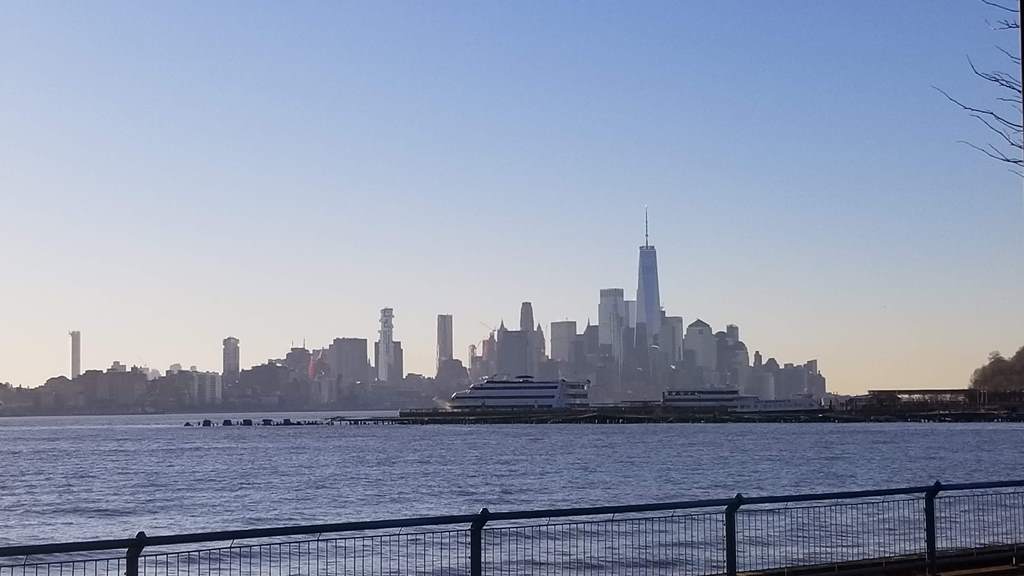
{"type": "Point", "coordinates": [647, 241]}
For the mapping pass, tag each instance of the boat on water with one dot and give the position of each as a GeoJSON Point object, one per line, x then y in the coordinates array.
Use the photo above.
{"type": "Point", "coordinates": [522, 392]}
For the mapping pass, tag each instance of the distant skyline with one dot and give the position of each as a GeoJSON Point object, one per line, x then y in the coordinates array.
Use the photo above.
{"type": "Point", "coordinates": [176, 174]}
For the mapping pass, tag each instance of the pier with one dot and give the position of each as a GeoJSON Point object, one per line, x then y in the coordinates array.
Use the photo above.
{"type": "Point", "coordinates": [624, 415]}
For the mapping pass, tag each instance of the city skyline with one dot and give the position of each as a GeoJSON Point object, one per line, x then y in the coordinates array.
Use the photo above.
{"type": "Point", "coordinates": [648, 271]}
{"type": "Point", "coordinates": [286, 186]}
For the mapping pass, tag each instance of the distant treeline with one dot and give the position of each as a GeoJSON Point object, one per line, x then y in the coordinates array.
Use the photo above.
{"type": "Point", "coordinates": [1000, 373]}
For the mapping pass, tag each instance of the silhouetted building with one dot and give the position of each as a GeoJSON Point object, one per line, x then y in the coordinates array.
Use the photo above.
{"type": "Point", "coordinates": [348, 359]}
{"type": "Point", "coordinates": [514, 352]}
{"type": "Point", "coordinates": [701, 341]}
{"type": "Point", "coordinates": [526, 317]}
{"type": "Point", "coordinates": [76, 353]}
{"type": "Point", "coordinates": [611, 319]}
{"type": "Point", "coordinates": [231, 362]}
{"type": "Point", "coordinates": [563, 335]}
{"type": "Point", "coordinates": [672, 332]}
{"type": "Point", "coordinates": [299, 361]}
{"type": "Point", "coordinates": [395, 366]}
{"type": "Point", "coordinates": [384, 351]}
{"type": "Point", "coordinates": [444, 339]}
{"type": "Point", "coordinates": [648, 298]}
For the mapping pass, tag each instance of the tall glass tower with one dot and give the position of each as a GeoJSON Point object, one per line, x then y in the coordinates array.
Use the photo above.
{"type": "Point", "coordinates": [648, 298]}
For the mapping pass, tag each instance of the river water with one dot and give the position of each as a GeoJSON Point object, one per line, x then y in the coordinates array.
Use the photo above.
{"type": "Point", "coordinates": [71, 478]}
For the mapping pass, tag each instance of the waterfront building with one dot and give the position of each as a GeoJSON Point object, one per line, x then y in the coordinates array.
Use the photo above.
{"type": "Point", "coordinates": [521, 393]}
{"type": "Point", "coordinates": [231, 362]}
{"type": "Point", "coordinates": [648, 298]}
{"type": "Point", "coordinates": [76, 353]}
{"type": "Point", "coordinates": [444, 339]}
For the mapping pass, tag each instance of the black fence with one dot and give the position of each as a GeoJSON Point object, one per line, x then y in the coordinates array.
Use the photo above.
{"type": "Point", "coordinates": [919, 528]}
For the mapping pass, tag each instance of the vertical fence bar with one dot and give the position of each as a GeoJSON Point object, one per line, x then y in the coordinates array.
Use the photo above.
{"type": "Point", "coordinates": [929, 527]}
{"type": "Point", "coordinates": [132, 556]}
{"type": "Point", "coordinates": [476, 543]}
{"type": "Point", "coordinates": [730, 534]}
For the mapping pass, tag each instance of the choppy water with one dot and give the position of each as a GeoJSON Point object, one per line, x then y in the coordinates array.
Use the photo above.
{"type": "Point", "coordinates": [69, 478]}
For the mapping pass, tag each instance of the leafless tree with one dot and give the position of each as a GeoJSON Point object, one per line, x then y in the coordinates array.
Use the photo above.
{"type": "Point", "coordinates": [1002, 119]}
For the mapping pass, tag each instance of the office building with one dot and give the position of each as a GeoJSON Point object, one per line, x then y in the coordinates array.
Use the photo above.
{"type": "Point", "coordinates": [700, 342]}
{"type": "Point", "coordinates": [348, 359]}
{"type": "Point", "coordinates": [648, 298]}
{"type": "Point", "coordinates": [563, 335]}
{"type": "Point", "coordinates": [444, 338]}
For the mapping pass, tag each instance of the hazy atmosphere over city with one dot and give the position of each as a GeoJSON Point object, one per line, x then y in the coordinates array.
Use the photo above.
{"type": "Point", "coordinates": [174, 174]}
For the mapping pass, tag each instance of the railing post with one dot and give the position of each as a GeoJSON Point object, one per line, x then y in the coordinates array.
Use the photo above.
{"type": "Point", "coordinates": [476, 541]}
{"type": "Point", "coordinates": [730, 534]}
{"type": "Point", "coordinates": [929, 527]}
{"type": "Point", "coordinates": [134, 551]}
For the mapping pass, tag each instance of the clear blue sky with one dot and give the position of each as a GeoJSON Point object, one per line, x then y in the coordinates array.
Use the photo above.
{"type": "Point", "coordinates": [173, 173]}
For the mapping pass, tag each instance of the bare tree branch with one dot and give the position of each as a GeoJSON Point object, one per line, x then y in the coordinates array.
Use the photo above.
{"type": "Point", "coordinates": [1009, 132]}
{"type": "Point", "coordinates": [1000, 6]}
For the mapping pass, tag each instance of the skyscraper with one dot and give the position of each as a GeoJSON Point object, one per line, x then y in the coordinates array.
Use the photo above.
{"type": "Point", "coordinates": [648, 299]}
{"type": "Point", "coordinates": [76, 353]}
{"type": "Point", "coordinates": [231, 365]}
{"type": "Point", "coordinates": [611, 317]}
{"type": "Point", "coordinates": [513, 352]}
{"type": "Point", "coordinates": [672, 332]}
{"type": "Point", "coordinates": [386, 357]}
{"type": "Point", "coordinates": [348, 360]}
{"type": "Point", "coordinates": [444, 338]}
{"type": "Point", "coordinates": [526, 317]}
{"type": "Point", "coordinates": [563, 335]}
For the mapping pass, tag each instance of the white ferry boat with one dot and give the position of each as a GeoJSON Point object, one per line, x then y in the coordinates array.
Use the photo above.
{"type": "Point", "coordinates": [521, 392]}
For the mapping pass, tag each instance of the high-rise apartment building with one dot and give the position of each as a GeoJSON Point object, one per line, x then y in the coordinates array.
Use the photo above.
{"type": "Point", "coordinates": [444, 338]}
{"type": "Point", "coordinates": [76, 353]}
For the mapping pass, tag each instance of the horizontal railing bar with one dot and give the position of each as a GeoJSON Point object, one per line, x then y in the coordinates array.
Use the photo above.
{"type": "Point", "coordinates": [983, 485]}
{"type": "Point", "coordinates": [66, 547]}
{"type": "Point", "coordinates": [792, 498]}
{"type": "Point", "coordinates": [603, 510]}
{"type": "Point", "coordinates": [245, 534]}
{"type": "Point", "coordinates": [423, 521]}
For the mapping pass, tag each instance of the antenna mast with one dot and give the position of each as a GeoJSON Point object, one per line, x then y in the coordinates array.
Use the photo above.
{"type": "Point", "coordinates": [647, 241]}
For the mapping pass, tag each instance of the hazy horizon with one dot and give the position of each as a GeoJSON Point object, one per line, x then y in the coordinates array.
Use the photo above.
{"type": "Point", "coordinates": [175, 174]}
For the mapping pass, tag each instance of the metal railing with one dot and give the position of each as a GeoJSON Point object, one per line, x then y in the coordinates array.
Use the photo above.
{"type": "Point", "coordinates": [919, 528]}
